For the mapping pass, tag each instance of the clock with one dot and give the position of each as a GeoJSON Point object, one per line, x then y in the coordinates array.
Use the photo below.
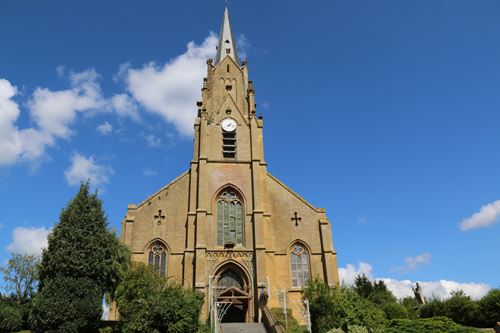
{"type": "Point", "coordinates": [228, 125]}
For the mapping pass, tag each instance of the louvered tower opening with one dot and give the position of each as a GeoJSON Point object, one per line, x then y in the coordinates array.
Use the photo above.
{"type": "Point", "coordinates": [229, 144]}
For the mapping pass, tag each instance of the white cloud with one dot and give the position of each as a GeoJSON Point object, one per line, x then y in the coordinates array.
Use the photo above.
{"type": "Point", "coordinates": [60, 70]}
{"type": "Point", "coordinates": [52, 111]}
{"type": "Point", "coordinates": [125, 106]}
{"type": "Point", "coordinates": [172, 90]}
{"type": "Point", "coordinates": [55, 111]}
{"type": "Point", "coordinates": [440, 289]}
{"type": "Point", "coordinates": [86, 168]}
{"type": "Point", "coordinates": [105, 128]}
{"type": "Point", "coordinates": [487, 216]}
{"type": "Point", "coordinates": [402, 288]}
{"type": "Point", "coordinates": [28, 240]}
{"type": "Point", "coordinates": [242, 44]}
{"type": "Point", "coordinates": [414, 263]}
{"type": "Point", "coordinates": [349, 273]}
{"type": "Point", "coordinates": [153, 141]}
{"type": "Point", "coordinates": [149, 172]}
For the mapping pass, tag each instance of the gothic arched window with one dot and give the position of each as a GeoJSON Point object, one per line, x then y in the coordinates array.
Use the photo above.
{"type": "Point", "coordinates": [157, 258]}
{"type": "Point", "coordinates": [229, 218]}
{"type": "Point", "coordinates": [299, 258]}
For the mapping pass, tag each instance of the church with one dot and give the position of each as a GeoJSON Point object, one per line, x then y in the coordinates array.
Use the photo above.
{"type": "Point", "coordinates": [227, 227]}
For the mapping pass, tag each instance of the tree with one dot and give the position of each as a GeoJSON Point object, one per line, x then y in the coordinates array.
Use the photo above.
{"type": "Point", "coordinates": [67, 304]}
{"type": "Point", "coordinates": [321, 305]}
{"type": "Point", "coordinates": [352, 309]}
{"type": "Point", "coordinates": [81, 252]}
{"type": "Point", "coordinates": [21, 276]}
{"type": "Point", "coordinates": [462, 309]}
{"type": "Point", "coordinates": [489, 307]}
{"type": "Point", "coordinates": [148, 302]}
{"type": "Point", "coordinates": [377, 291]}
{"type": "Point", "coordinates": [10, 318]}
{"type": "Point", "coordinates": [363, 286]}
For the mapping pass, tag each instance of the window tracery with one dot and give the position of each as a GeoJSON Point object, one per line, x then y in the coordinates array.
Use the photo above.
{"type": "Point", "coordinates": [157, 258]}
{"type": "Point", "coordinates": [299, 259]}
{"type": "Point", "coordinates": [229, 218]}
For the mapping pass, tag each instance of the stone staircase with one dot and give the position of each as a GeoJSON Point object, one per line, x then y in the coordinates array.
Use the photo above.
{"type": "Point", "coordinates": [243, 328]}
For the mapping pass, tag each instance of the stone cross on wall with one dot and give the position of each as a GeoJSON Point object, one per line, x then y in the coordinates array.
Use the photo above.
{"type": "Point", "coordinates": [296, 219]}
{"type": "Point", "coordinates": [159, 217]}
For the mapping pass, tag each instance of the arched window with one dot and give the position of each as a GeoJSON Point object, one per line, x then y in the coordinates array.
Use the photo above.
{"type": "Point", "coordinates": [299, 258]}
{"type": "Point", "coordinates": [229, 218]}
{"type": "Point", "coordinates": [158, 258]}
{"type": "Point", "coordinates": [230, 279]}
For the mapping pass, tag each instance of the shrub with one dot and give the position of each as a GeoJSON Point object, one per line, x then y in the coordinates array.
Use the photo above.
{"type": "Point", "coordinates": [67, 305]}
{"type": "Point", "coordinates": [461, 309]}
{"type": "Point", "coordinates": [395, 311]}
{"type": "Point", "coordinates": [293, 324]}
{"type": "Point", "coordinates": [321, 305]}
{"type": "Point", "coordinates": [489, 307]}
{"type": "Point", "coordinates": [150, 303]}
{"type": "Point", "coordinates": [429, 325]}
{"type": "Point", "coordinates": [351, 309]}
{"type": "Point", "coordinates": [10, 318]}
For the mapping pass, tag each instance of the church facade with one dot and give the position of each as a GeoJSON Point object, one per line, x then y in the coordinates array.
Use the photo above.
{"type": "Point", "coordinates": [226, 227]}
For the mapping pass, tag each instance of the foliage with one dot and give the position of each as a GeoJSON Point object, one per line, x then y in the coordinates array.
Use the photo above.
{"type": "Point", "coordinates": [83, 261]}
{"type": "Point", "coordinates": [429, 325]}
{"type": "Point", "coordinates": [352, 329]}
{"type": "Point", "coordinates": [412, 307]}
{"type": "Point", "coordinates": [10, 318]}
{"type": "Point", "coordinates": [332, 310]}
{"type": "Point", "coordinates": [377, 291]}
{"type": "Point", "coordinates": [395, 311]}
{"type": "Point", "coordinates": [148, 302]}
{"type": "Point", "coordinates": [82, 246]}
{"type": "Point", "coordinates": [433, 308]}
{"type": "Point", "coordinates": [352, 309]}
{"type": "Point", "coordinates": [67, 305]}
{"type": "Point", "coordinates": [21, 275]}
{"type": "Point", "coordinates": [293, 325]}
{"type": "Point", "coordinates": [489, 307]}
{"type": "Point", "coordinates": [321, 305]}
{"type": "Point", "coordinates": [462, 309]}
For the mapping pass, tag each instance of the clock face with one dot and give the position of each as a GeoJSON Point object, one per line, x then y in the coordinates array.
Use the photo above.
{"type": "Point", "coordinates": [228, 125]}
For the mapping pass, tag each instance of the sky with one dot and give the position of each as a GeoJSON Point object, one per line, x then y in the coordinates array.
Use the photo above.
{"type": "Point", "coordinates": [386, 113]}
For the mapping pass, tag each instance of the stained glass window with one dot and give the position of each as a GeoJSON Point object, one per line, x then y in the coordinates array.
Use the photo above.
{"type": "Point", "coordinates": [230, 279]}
{"type": "Point", "coordinates": [299, 259]}
{"type": "Point", "coordinates": [229, 218]}
{"type": "Point", "coordinates": [158, 258]}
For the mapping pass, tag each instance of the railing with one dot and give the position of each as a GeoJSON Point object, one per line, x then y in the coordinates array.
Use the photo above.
{"type": "Point", "coordinates": [270, 322]}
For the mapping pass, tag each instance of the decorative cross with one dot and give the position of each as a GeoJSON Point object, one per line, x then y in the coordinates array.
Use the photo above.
{"type": "Point", "coordinates": [159, 217]}
{"type": "Point", "coordinates": [296, 219]}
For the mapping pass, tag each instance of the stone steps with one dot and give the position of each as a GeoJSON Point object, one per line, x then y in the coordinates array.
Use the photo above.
{"type": "Point", "coordinates": [243, 328]}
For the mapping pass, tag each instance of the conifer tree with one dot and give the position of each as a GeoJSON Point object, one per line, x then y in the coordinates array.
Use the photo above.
{"type": "Point", "coordinates": [83, 259]}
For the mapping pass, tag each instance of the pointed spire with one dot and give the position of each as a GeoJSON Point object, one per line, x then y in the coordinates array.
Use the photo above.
{"type": "Point", "coordinates": [227, 46]}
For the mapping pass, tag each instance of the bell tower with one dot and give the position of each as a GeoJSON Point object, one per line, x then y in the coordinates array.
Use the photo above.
{"type": "Point", "coordinates": [227, 128]}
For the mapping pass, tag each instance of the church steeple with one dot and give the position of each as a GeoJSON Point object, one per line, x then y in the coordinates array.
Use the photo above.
{"type": "Point", "coordinates": [226, 46]}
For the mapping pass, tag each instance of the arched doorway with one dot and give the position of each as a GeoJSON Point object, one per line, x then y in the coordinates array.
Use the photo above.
{"type": "Point", "coordinates": [233, 290]}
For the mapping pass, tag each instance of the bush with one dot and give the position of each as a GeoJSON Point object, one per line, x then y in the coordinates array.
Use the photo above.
{"type": "Point", "coordinates": [351, 309]}
{"type": "Point", "coordinates": [461, 309]}
{"type": "Point", "coordinates": [150, 303]}
{"type": "Point", "coordinates": [429, 325]}
{"type": "Point", "coordinates": [321, 305]}
{"type": "Point", "coordinates": [395, 311]}
{"type": "Point", "coordinates": [293, 324]}
{"type": "Point", "coordinates": [489, 307]}
{"type": "Point", "coordinates": [10, 319]}
{"type": "Point", "coordinates": [67, 305]}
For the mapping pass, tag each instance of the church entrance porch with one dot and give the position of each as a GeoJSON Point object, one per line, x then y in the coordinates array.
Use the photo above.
{"type": "Point", "coordinates": [233, 296]}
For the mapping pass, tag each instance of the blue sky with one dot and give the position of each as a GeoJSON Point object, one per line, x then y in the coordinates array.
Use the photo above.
{"type": "Point", "coordinates": [386, 113]}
